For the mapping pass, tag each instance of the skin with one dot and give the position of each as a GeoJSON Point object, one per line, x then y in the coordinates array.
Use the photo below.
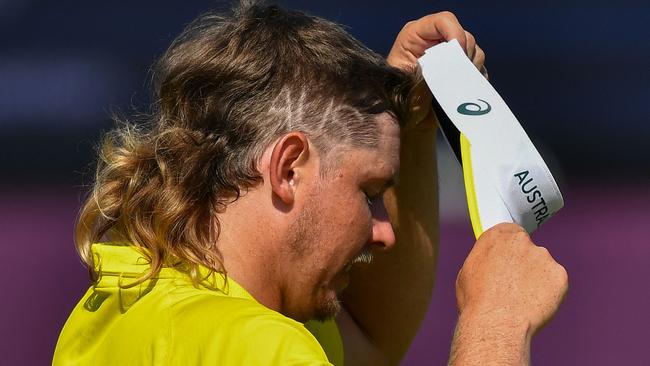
{"type": "Point", "coordinates": [378, 335]}
{"type": "Point", "coordinates": [506, 291]}
{"type": "Point", "coordinates": [495, 326]}
{"type": "Point", "coordinates": [311, 230]}
{"type": "Point", "coordinates": [492, 328]}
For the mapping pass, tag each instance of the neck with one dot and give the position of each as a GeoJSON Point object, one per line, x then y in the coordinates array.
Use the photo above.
{"type": "Point", "coordinates": [247, 246]}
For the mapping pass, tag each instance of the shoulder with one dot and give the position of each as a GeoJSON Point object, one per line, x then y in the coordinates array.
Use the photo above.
{"type": "Point", "coordinates": [233, 330]}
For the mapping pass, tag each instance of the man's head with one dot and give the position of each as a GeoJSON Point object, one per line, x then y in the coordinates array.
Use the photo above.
{"type": "Point", "coordinates": [244, 103]}
{"type": "Point", "coordinates": [314, 226]}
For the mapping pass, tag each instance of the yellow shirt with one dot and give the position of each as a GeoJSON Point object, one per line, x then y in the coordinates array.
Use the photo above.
{"type": "Point", "coordinates": [168, 321]}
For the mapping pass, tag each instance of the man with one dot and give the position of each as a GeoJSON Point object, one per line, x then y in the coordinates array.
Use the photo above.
{"type": "Point", "coordinates": [281, 159]}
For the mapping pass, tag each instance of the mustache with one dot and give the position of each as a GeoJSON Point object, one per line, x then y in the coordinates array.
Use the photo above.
{"type": "Point", "coordinates": [365, 257]}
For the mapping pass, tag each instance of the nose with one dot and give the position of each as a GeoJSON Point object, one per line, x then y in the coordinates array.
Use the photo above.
{"type": "Point", "coordinates": [383, 236]}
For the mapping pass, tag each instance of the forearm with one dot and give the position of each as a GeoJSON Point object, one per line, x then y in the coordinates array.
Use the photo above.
{"type": "Point", "coordinates": [389, 299]}
{"type": "Point", "coordinates": [490, 340]}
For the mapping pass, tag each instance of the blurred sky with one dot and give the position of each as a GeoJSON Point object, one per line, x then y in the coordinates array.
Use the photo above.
{"type": "Point", "coordinates": [576, 73]}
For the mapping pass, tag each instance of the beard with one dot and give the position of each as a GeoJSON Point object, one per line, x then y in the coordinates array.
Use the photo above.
{"type": "Point", "coordinates": [329, 304]}
{"type": "Point", "coordinates": [302, 230]}
{"type": "Point", "coordinates": [327, 307]}
{"type": "Point", "coordinates": [302, 234]}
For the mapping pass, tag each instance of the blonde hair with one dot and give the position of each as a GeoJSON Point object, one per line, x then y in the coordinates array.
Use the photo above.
{"type": "Point", "coordinates": [225, 89]}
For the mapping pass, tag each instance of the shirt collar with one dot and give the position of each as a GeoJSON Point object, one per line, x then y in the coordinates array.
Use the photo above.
{"type": "Point", "coordinates": [119, 264]}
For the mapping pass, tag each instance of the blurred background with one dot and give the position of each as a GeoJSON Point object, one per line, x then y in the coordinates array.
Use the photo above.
{"type": "Point", "coordinates": [575, 73]}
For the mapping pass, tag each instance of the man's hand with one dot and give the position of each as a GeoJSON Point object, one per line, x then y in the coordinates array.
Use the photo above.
{"type": "Point", "coordinates": [506, 291]}
{"type": "Point", "coordinates": [418, 35]}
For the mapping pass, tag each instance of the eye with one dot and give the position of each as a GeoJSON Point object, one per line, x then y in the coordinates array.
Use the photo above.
{"type": "Point", "coordinates": [370, 199]}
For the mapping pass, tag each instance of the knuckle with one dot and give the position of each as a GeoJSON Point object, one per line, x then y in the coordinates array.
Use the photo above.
{"type": "Point", "coordinates": [544, 251]}
{"type": "Point", "coordinates": [470, 37]}
{"type": "Point", "coordinates": [563, 275]}
{"type": "Point", "coordinates": [503, 232]}
{"type": "Point", "coordinates": [521, 237]}
{"type": "Point", "coordinates": [459, 281]}
{"type": "Point", "coordinates": [497, 229]}
{"type": "Point", "coordinates": [489, 233]}
{"type": "Point", "coordinates": [480, 55]}
{"type": "Point", "coordinates": [509, 227]}
{"type": "Point", "coordinates": [448, 15]}
{"type": "Point", "coordinates": [409, 24]}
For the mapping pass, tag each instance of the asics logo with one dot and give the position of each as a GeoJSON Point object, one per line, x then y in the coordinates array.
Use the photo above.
{"type": "Point", "coordinates": [474, 109]}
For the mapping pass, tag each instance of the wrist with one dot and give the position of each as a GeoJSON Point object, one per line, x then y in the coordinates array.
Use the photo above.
{"type": "Point", "coordinates": [422, 119]}
{"type": "Point", "coordinates": [491, 338]}
{"type": "Point", "coordinates": [502, 318]}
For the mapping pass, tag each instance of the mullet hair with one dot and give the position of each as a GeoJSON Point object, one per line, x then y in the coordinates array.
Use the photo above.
{"type": "Point", "coordinates": [226, 88]}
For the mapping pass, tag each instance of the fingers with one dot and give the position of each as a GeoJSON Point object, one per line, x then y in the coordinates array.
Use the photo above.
{"type": "Point", "coordinates": [479, 58]}
{"type": "Point", "coordinates": [471, 47]}
{"type": "Point", "coordinates": [418, 35]}
{"type": "Point", "coordinates": [506, 270]}
{"type": "Point", "coordinates": [475, 54]}
{"type": "Point", "coordinates": [504, 228]}
{"type": "Point", "coordinates": [432, 29]}
{"type": "Point", "coordinates": [557, 271]}
{"type": "Point", "coordinates": [435, 28]}
{"type": "Point", "coordinates": [484, 72]}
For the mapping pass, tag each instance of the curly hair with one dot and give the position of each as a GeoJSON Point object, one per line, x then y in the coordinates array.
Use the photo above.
{"type": "Point", "coordinates": [226, 88]}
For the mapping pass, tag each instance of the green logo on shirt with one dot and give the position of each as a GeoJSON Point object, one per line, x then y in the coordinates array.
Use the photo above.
{"type": "Point", "coordinates": [473, 109]}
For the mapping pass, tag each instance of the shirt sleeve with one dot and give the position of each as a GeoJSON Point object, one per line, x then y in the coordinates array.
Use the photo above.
{"type": "Point", "coordinates": [328, 335]}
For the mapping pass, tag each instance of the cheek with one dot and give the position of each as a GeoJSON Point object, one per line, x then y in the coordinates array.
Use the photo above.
{"type": "Point", "coordinates": [352, 212]}
{"type": "Point", "coordinates": [352, 224]}
{"type": "Point", "coordinates": [347, 219]}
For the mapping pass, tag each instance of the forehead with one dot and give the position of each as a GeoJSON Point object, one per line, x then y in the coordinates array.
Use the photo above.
{"type": "Point", "coordinates": [387, 151]}
{"type": "Point", "coordinates": [382, 160]}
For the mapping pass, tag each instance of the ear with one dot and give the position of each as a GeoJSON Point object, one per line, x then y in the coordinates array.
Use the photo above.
{"type": "Point", "coordinates": [289, 154]}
